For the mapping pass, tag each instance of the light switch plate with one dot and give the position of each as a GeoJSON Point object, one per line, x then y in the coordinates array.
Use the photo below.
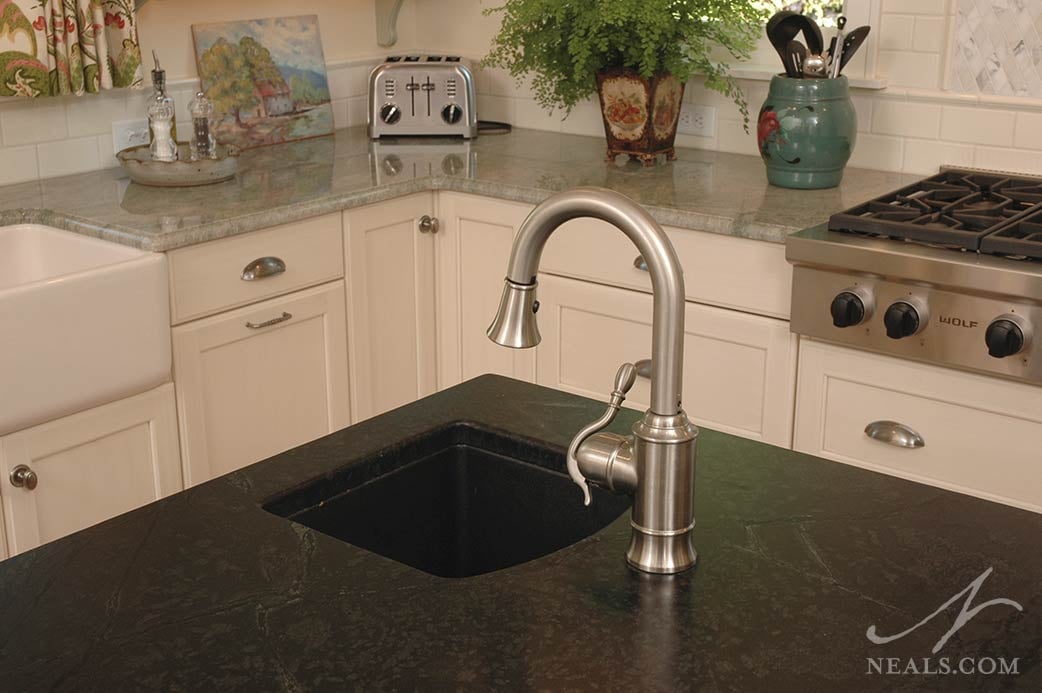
{"type": "Point", "coordinates": [697, 120]}
{"type": "Point", "coordinates": [129, 133]}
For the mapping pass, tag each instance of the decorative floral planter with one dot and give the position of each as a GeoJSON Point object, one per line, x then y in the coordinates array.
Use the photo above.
{"type": "Point", "coordinates": [640, 114]}
{"type": "Point", "coordinates": [806, 131]}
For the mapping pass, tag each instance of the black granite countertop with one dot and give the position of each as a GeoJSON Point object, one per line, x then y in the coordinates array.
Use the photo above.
{"type": "Point", "coordinates": [207, 591]}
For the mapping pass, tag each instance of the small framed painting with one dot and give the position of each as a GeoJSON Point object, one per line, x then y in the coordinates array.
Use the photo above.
{"type": "Point", "coordinates": [267, 79]}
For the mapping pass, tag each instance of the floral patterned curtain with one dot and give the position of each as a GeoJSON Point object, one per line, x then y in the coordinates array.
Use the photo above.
{"type": "Point", "coordinates": [54, 47]}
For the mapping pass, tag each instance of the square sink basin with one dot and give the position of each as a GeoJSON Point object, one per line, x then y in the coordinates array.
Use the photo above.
{"type": "Point", "coordinates": [83, 322]}
{"type": "Point", "coordinates": [458, 502]}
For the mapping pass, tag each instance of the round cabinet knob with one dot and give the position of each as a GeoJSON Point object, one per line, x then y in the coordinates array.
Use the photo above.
{"type": "Point", "coordinates": [901, 320]}
{"type": "Point", "coordinates": [1004, 338]}
{"type": "Point", "coordinates": [390, 114]}
{"type": "Point", "coordinates": [452, 114]}
{"type": "Point", "coordinates": [847, 310]}
{"type": "Point", "coordinates": [24, 477]}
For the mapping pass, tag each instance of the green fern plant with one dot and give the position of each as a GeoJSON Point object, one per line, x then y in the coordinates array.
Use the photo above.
{"type": "Point", "coordinates": [563, 43]}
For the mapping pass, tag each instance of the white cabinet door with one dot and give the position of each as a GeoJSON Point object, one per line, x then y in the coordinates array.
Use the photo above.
{"type": "Point", "coordinates": [390, 304]}
{"type": "Point", "coordinates": [739, 369]}
{"type": "Point", "coordinates": [89, 467]}
{"type": "Point", "coordinates": [256, 381]}
{"type": "Point", "coordinates": [473, 249]}
{"type": "Point", "coordinates": [981, 435]}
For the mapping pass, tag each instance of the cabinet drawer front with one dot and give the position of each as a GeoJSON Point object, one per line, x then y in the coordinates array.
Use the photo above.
{"type": "Point", "coordinates": [208, 278]}
{"type": "Point", "coordinates": [724, 271]}
{"type": "Point", "coordinates": [739, 369]}
{"type": "Point", "coordinates": [982, 436]}
{"type": "Point", "coordinates": [259, 380]}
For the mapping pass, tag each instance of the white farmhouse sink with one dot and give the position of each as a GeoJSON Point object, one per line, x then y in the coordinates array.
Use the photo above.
{"type": "Point", "coordinates": [83, 322]}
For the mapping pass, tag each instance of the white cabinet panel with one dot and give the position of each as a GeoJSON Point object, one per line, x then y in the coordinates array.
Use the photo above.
{"type": "Point", "coordinates": [719, 270]}
{"type": "Point", "coordinates": [207, 278]}
{"type": "Point", "coordinates": [259, 380]}
{"type": "Point", "coordinates": [983, 436]}
{"type": "Point", "coordinates": [473, 249]}
{"type": "Point", "coordinates": [739, 369]}
{"type": "Point", "coordinates": [391, 305]}
{"type": "Point", "coordinates": [90, 466]}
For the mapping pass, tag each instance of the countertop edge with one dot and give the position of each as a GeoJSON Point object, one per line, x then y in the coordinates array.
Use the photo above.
{"type": "Point", "coordinates": [285, 214]}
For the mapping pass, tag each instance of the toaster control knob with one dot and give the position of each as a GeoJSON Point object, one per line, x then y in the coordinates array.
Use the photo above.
{"type": "Point", "coordinates": [1004, 338]}
{"type": "Point", "coordinates": [902, 320]}
{"type": "Point", "coordinates": [850, 308]}
{"type": "Point", "coordinates": [452, 114]}
{"type": "Point", "coordinates": [390, 114]}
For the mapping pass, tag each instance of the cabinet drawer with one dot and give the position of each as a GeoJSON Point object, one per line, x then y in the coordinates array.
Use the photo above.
{"type": "Point", "coordinates": [982, 436]}
{"type": "Point", "coordinates": [739, 369]}
{"type": "Point", "coordinates": [724, 271]}
{"type": "Point", "coordinates": [208, 278]}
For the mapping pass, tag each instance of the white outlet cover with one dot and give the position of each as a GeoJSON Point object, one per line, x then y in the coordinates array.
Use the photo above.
{"type": "Point", "coordinates": [697, 120]}
{"type": "Point", "coordinates": [129, 133]}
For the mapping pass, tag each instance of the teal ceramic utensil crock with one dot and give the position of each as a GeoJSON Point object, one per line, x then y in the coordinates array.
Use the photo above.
{"type": "Point", "coordinates": [806, 131]}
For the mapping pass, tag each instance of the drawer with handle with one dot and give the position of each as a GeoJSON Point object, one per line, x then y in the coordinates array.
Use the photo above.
{"type": "Point", "coordinates": [736, 273]}
{"type": "Point", "coordinates": [212, 277]}
{"type": "Point", "coordinates": [961, 431]}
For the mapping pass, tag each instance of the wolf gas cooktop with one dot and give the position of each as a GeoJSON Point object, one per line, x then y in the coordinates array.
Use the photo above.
{"type": "Point", "coordinates": [946, 270]}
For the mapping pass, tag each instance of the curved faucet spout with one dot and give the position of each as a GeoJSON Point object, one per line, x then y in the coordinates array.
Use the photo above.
{"type": "Point", "coordinates": [667, 278]}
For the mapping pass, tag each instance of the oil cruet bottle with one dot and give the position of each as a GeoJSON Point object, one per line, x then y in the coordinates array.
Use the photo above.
{"type": "Point", "coordinates": [162, 125]}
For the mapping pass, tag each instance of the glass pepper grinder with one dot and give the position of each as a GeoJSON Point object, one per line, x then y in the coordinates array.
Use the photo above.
{"type": "Point", "coordinates": [203, 143]}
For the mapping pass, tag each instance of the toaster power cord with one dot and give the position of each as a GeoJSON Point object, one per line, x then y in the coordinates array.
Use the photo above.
{"type": "Point", "coordinates": [493, 127]}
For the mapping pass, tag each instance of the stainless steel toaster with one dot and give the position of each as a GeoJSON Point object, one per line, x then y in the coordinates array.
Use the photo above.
{"type": "Point", "coordinates": [422, 95]}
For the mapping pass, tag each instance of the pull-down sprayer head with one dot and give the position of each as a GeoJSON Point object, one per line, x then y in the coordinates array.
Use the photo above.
{"type": "Point", "coordinates": [515, 325]}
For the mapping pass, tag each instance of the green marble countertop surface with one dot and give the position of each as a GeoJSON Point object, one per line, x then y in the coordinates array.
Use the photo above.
{"type": "Point", "coordinates": [704, 191]}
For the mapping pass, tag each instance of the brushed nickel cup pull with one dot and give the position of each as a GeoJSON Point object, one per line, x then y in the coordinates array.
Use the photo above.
{"type": "Point", "coordinates": [268, 323]}
{"type": "Point", "coordinates": [24, 477]}
{"type": "Point", "coordinates": [894, 433]}
{"type": "Point", "coordinates": [263, 267]}
{"type": "Point", "coordinates": [428, 224]}
{"type": "Point", "coordinates": [643, 368]}
{"type": "Point", "coordinates": [640, 263]}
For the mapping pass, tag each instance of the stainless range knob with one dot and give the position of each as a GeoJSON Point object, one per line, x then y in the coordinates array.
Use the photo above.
{"type": "Point", "coordinates": [390, 114]}
{"type": "Point", "coordinates": [1007, 335]}
{"type": "Point", "coordinates": [851, 307]}
{"type": "Point", "coordinates": [452, 114]}
{"type": "Point", "coordinates": [906, 318]}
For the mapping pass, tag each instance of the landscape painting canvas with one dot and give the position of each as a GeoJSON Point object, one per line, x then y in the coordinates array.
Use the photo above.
{"type": "Point", "coordinates": [267, 79]}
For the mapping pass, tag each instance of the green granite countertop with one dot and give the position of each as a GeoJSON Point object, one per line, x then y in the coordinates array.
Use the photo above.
{"type": "Point", "coordinates": [704, 191]}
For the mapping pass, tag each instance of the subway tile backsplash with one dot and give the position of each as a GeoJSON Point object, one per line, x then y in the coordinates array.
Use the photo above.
{"type": "Point", "coordinates": [923, 119]}
{"type": "Point", "coordinates": [65, 135]}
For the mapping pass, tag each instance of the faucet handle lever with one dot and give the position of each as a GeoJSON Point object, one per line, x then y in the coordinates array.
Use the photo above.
{"type": "Point", "coordinates": [624, 380]}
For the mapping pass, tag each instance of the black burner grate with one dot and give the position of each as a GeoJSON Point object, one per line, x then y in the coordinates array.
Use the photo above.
{"type": "Point", "coordinates": [1022, 238]}
{"type": "Point", "coordinates": [958, 209]}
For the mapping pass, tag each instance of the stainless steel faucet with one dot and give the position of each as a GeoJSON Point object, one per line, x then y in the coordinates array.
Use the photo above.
{"type": "Point", "coordinates": [656, 464]}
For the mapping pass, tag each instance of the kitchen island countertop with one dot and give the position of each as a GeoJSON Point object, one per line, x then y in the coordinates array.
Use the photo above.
{"type": "Point", "coordinates": [798, 557]}
{"type": "Point", "coordinates": [707, 191]}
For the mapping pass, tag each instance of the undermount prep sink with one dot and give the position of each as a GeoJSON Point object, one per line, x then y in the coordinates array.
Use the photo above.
{"type": "Point", "coordinates": [456, 502]}
{"type": "Point", "coordinates": [82, 322]}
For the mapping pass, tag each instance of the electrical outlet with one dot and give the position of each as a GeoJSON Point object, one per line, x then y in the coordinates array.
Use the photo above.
{"type": "Point", "coordinates": [129, 133]}
{"type": "Point", "coordinates": [697, 120]}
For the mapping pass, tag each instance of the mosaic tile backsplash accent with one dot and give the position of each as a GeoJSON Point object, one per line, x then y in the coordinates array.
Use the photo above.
{"type": "Point", "coordinates": [998, 47]}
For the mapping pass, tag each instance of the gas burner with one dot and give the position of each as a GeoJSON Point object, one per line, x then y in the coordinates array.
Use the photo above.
{"type": "Point", "coordinates": [954, 209]}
